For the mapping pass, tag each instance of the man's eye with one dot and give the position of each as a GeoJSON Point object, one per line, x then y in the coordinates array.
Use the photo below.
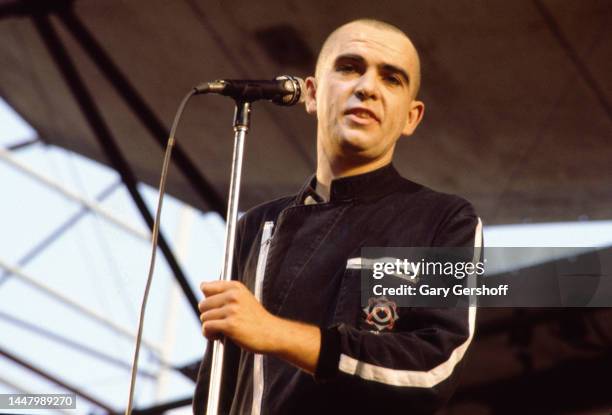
{"type": "Point", "coordinates": [393, 80]}
{"type": "Point", "coordinates": [345, 68]}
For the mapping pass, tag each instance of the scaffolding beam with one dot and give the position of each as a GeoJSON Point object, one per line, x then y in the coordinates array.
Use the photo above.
{"type": "Point", "coordinates": [22, 144]}
{"type": "Point", "coordinates": [80, 308]}
{"type": "Point", "coordinates": [44, 332]}
{"type": "Point", "coordinates": [108, 143]}
{"type": "Point", "coordinates": [56, 380]}
{"type": "Point", "coordinates": [140, 109]}
{"type": "Point", "coordinates": [49, 239]}
{"type": "Point", "coordinates": [8, 158]}
{"type": "Point", "coordinates": [162, 408]}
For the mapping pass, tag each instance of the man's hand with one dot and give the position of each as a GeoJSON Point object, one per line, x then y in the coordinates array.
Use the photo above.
{"type": "Point", "coordinates": [230, 309]}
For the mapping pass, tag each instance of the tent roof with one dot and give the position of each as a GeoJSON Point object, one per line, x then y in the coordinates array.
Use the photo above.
{"type": "Point", "coordinates": [518, 94]}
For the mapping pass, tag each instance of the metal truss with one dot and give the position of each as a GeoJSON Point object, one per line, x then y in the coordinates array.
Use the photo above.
{"type": "Point", "coordinates": [76, 306]}
{"type": "Point", "coordinates": [8, 158]}
{"type": "Point", "coordinates": [55, 379]}
{"type": "Point", "coordinates": [107, 142]}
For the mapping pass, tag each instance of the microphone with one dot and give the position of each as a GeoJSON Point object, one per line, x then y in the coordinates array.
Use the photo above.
{"type": "Point", "coordinates": [283, 90]}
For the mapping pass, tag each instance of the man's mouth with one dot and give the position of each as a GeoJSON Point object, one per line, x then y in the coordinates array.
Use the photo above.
{"type": "Point", "coordinates": [361, 115]}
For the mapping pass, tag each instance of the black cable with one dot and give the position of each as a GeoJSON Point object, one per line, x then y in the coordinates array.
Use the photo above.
{"type": "Point", "coordinates": [154, 236]}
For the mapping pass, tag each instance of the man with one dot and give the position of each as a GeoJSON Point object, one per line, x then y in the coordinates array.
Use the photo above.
{"type": "Point", "coordinates": [298, 339]}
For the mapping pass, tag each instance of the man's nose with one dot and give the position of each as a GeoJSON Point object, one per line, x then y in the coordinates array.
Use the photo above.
{"type": "Point", "coordinates": [367, 86]}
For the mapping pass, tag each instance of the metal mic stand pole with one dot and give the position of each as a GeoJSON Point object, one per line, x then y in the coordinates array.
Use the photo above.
{"type": "Point", "coordinates": [241, 127]}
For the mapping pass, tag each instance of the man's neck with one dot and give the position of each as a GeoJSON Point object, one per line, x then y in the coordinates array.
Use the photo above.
{"type": "Point", "coordinates": [327, 171]}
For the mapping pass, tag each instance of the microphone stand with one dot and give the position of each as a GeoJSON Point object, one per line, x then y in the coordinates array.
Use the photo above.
{"type": "Point", "coordinates": [242, 121]}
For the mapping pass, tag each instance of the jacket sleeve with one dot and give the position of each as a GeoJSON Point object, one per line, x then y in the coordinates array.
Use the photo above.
{"type": "Point", "coordinates": [231, 354]}
{"type": "Point", "coordinates": [417, 362]}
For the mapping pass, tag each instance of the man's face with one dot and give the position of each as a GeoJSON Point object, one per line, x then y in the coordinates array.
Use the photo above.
{"type": "Point", "coordinates": [363, 93]}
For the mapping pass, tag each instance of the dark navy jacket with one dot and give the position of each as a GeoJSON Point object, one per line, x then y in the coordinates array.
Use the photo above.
{"type": "Point", "coordinates": [294, 257]}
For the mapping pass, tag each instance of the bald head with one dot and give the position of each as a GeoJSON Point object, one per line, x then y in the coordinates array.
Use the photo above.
{"type": "Point", "coordinates": [333, 42]}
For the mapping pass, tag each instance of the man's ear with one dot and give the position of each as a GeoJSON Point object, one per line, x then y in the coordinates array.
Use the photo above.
{"type": "Point", "coordinates": [311, 95]}
{"type": "Point", "coordinates": [415, 115]}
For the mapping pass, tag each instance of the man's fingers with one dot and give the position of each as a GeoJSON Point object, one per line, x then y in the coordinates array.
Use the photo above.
{"type": "Point", "coordinates": [217, 300]}
{"type": "Point", "coordinates": [212, 330]}
{"type": "Point", "coordinates": [214, 314]}
{"type": "Point", "coordinates": [212, 302]}
{"type": "Point", "coordinates": [216, 287]}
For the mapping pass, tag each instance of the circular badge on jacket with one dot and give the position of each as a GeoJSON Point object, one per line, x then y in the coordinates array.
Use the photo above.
{"type": "Point", "coordinates": [381, 313]}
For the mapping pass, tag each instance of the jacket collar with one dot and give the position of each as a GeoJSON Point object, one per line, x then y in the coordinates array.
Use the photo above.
{"type": "Point", "coordinates": [375, 183]}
